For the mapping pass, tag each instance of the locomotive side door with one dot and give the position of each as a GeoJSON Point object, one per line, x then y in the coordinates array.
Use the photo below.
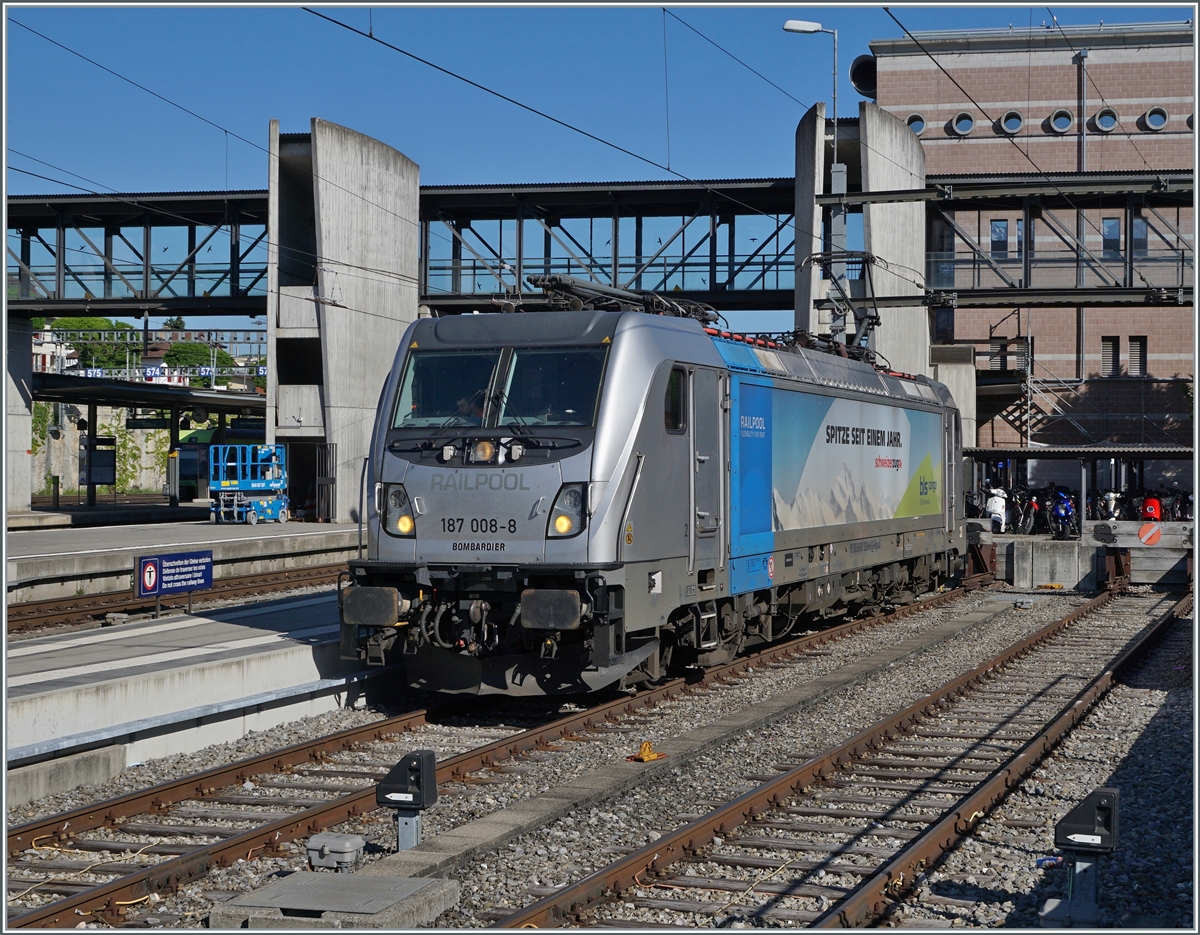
{"type": "Point", "coordinates": [707, 474]}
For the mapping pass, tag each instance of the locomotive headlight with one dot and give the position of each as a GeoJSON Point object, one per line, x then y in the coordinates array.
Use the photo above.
{"type": "Point", "coordinates": [566, 517]}
{"type": "Point", "coordinates": [483, 451]}
{"type": "Point", "coordinates": [516, 451]}
{"type": "Point", "coordinates": [398, 516]}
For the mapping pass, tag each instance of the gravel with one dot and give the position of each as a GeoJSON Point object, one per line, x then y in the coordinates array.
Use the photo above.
{"type": "Point", "coordinates": [1140, 739]}
{"type": "Point", "coordinates": [577, 844]}
{"type": "Point", "coordinates": [585, 841]}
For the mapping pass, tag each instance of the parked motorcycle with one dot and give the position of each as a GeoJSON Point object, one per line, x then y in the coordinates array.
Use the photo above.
{"type": "Point", "coordinates": [997, 508]}
{"type": "Point", "coordinates": [1152, 507]}
{"type": "Point", "coordinates": [1062, 516]}
{"type": "Point", "coordinates": [1110, 507]}
{"type": "Point", "coordinates": [1024, 511]}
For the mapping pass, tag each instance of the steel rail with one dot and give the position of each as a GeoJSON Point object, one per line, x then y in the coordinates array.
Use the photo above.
{"type": "Point", "coordinates": [107, 900]}
{"type": "Point", "coordinates": [30, 614]}
{"type": "Point", "coordinates": [573, 902]}
{"type": "Point", "coordinates": [898, 875]}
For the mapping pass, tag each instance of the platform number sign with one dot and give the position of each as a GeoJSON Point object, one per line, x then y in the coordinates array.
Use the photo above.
{"type": "Point", "coordinates": [160, 575]}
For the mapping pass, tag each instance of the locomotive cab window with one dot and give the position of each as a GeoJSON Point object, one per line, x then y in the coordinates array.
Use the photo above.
{"type": "Point", "coordinates": [490, 388]}
{"type": "Point", "coordinates": [673, 410]}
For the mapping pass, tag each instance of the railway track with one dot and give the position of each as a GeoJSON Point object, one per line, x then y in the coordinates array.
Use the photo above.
{"type": "Point", "coordinates": [35, 615]}
{"type": "Point", "coordinates": [307, 788]}
{"type": "Point", "coordinates": [837, 839]}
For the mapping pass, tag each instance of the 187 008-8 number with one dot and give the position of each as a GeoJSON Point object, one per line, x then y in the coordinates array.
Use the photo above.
{"type": "Point", "coordinates": [478, 524]}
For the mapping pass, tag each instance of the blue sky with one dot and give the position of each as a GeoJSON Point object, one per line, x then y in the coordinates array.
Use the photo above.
{"type": "Point", "coordinates": [600, 68]}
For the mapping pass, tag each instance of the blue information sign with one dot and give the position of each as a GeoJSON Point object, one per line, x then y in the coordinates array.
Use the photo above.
{"type": "Point", "coordinates": [159, 575]}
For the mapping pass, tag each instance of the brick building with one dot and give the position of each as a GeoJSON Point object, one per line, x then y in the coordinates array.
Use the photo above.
{"type": "Point", "coordinates": [1112, 102]}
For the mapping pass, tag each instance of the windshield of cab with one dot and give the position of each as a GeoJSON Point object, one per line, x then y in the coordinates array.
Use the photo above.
{"type": "Point", "coordinates": [506, 387]}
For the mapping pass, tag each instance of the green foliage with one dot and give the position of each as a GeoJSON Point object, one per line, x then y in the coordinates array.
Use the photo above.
{"type": "Point", "coordinates": [41, 426]}
{"type": "Point", "coordinates": [98, 353]}
{"type": "Point", "coordinates": [174, 324]}
{"type": "Point", "coordinates": [38, 323]}
{"type": "Point", "coordinates": [195, 354]}
{"type": "Point", "coordinates": [158, 444]}
{"type": "Point", "coordinates": [129, 453]}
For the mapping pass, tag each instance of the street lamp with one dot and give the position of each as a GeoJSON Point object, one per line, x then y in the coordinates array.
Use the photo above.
{"type": "Point", "coordinates": [804, 26]}
{"type": "Point", "coordinates": [837, 185]}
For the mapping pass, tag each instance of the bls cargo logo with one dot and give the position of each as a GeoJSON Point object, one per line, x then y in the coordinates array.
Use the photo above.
{"type": "Point", "coordinates": [928, 486]}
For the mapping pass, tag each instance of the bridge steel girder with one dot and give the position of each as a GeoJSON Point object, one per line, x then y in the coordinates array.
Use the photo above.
{"type": "Point", "coordinates": [764, 269]}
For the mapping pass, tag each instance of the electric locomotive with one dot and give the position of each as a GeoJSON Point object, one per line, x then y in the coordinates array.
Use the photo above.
{"type": "Point", "coordinates": [560, 501]}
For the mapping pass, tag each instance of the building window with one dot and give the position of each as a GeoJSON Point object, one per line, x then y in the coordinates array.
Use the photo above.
{"type": "Point", "coordinates": [999, 240]}
{"type": "Point", "coordinates": [1012, 122]}
{"type": "Point", "coordinates": [916, 123]}
{"type": "Point", "coordinates": [1106, 120]}
{"type": "Point", "coordinates": [1156, 118]}
{"type": "Point", "coordinates": [1141, 237]}
{"type": "Point", "coordinates": [1020, 239]}
{"type": "Point", "coordinates": [1110, 232]}
{"type": "Point", "coordinates": [1137, 355]}
{"type": "Point", "coordinates": [1110, 356]}
{"type": "Point", "coordinates": [962, 124]}
{"type": "Point", "coordinates": [1062, 120]}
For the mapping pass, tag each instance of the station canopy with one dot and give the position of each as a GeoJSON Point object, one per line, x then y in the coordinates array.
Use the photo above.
{"type": "Point", "coordinates": [83, 391]}
{"type": "Point", "coordinates": [1085, 453]}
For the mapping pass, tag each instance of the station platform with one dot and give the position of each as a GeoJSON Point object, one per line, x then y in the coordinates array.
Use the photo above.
{"type": "Point", "coordinates": [90, 703]}
{"type": "Point", "coordinates": [1034, 561]}
{"type": "Point", "coordinates": [54, 563]}
{"type": "Point", "coordinates": [105, 514]}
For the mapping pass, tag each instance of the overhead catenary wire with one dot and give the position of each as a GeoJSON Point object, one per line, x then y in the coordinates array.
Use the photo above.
{"type": "Point", "coordinates": [381, 274]}
{"type": "Point", "coordinates": [862, 144]}
{"type": "Point", "coordinates": [1092, 81]}
{"type": "Point", "coordinates": [568, 126]}
{"type": "Point", "coordinates": [983, 111]}
{"type": "Point", "coordinates": [367, 35]}
{"type": "Point", "coordinates": [211, 123]}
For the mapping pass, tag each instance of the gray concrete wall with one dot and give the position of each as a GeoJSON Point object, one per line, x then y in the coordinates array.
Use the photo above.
{"type": "Point", "coordinates": [18, 395]}
{"type": "Point", "coordinates": [959, 378]}
{"type": "Point", "coordinates": [272, 274]}
{"type": "Point", "coordinates": [892, 158]}
{"type": "Point", "coordinates": [810, 179]}
{"type": "Point", "coordinates": [367, 209]}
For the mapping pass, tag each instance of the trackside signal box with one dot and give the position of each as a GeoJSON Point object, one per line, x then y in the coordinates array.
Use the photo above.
{"type": "Point", "coordinates": [1091, 826]}
{"type": "Point", "coordinates": [1088, 830]}
{"type": "Point", "coordinates": [409, 788]}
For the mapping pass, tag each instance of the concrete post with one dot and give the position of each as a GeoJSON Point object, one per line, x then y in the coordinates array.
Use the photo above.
{"type": "Point", "coordinates": [92, 416]}
{"type": "Point", "coordinates": [173, 430]}
{"type": "Point", "coordinates": [19, 415]}
{"type": "Point", "coordinates": [810, 181]}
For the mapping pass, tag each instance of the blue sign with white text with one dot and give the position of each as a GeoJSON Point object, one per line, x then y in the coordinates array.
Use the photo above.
{"type": "Point", "coordinates": [159, 575]}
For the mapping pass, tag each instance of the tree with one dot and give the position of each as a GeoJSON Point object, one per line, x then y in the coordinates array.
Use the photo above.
{"type": "Point", "coordinates": [99, 353]}
{"type": "Point", "coordinates": [174, 324]}
{"type": "Point", "coordinates": [195, 354]}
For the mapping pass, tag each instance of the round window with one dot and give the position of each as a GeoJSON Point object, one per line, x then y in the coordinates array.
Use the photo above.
{"type": "Point", "coordinates": [916, 123]}
{"type": "Point", "coordinates": [963, 123]}
{"type": "Point", "coordinates": [1012, 122]}
{"type": "Point", "coordinates": [1156, 118]}
{"type": "Point", "coordinates": [1061, 121]}
{"type": "Point", "coordinates": [1106, 120]}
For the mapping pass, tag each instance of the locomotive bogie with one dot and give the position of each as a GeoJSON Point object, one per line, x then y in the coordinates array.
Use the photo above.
{"type": "Point", "coordinates": [566, 501]}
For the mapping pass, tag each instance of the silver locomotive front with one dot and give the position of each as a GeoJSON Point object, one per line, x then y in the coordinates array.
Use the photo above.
{"type": "Point", "coordinates": [478, 574]}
